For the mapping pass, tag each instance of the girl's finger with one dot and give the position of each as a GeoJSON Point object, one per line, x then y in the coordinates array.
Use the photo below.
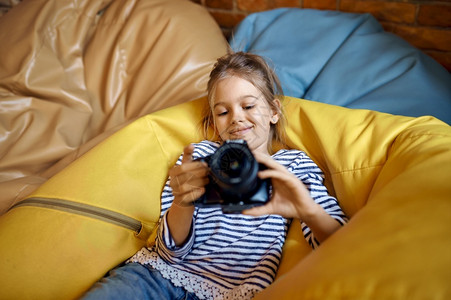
{"type": "Point", "coordinates": [268, 161]}
{"type": "Point", "coordinates": [196, 168]}
{"type": "Point", "coordinates": [273, 174]}
{"type": "Point", "coordinates": [258, 210]}
{"type": "Point", "coordinates": [188, 153]}
{"type": "Point", "coordinates": [186, 199]}
{"type": "Point", "coordinates": [188, 186]}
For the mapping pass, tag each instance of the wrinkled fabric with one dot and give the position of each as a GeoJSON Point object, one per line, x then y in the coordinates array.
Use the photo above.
{"type": "Point", "coordinates": [74, 72]}
{"type": "Point", "coordinates": [346, 59]}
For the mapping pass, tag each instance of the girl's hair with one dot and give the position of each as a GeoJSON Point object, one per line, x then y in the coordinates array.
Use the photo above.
{"type": "Point", "coordinates": [254, 69]}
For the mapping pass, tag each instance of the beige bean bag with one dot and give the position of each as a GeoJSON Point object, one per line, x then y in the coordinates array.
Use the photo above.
{"type": "Point", "coordinates": [73, 72]}
{"type": "Point", "coordinates": [390, 174]}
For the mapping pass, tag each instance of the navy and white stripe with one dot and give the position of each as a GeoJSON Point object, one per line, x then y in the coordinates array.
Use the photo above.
{"type": "Point", "coordinates": [233, 255]}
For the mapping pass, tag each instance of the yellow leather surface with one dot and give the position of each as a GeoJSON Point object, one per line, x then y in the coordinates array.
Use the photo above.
{"type": "Point", "coordinates": [50, 254]}
{"type": "Point", "coordinates": [67, 86]}
{"type": "Point", "coordinates": [391, 175]}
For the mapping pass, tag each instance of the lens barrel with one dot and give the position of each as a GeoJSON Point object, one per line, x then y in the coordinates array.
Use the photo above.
{"type": "Point", "coordinates": [234, 170]}
{"type": "Point", "coordinates": [234, 184]}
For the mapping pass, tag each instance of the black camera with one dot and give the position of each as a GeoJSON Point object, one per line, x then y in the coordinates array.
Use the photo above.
{"type": "Point", "coordinates": [234, 184]}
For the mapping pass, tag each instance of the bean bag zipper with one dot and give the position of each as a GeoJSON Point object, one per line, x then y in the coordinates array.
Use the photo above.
{"type": "Point", "coordinates": [84, 210]}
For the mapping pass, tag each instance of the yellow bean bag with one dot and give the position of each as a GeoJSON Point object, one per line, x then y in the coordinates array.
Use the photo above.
{"type": "Point", "coordinates": [391, 175]}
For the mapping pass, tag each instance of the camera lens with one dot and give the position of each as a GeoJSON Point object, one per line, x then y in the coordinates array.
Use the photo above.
{"type": "Point", "coordinates": [234, 170]}
{"type": "Point", "coordinates": [233, 163]}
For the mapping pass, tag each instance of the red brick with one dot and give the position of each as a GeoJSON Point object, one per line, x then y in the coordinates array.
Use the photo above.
{"type": "Point", "coordinates": [425, 38]}
{"type": "Point", "coordinates": [320, 4]}
{"type": "Point", "coordinates": [435, 15]}
{"type": "Point", "coordinates": [443, 58]}
{"type": "Point", "coordinates": [227, 19]}
{"type": "Point", "coordinates": [286, 3]}
{"type": "Point", "coordinates": [223, 4]}
{"type": "Point", "coordinates": [253, 5]}
{"type": "Point", "coordinates": [398, 12]}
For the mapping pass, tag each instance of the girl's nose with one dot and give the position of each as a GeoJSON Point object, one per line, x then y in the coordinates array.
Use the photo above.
{"type": "Point", "coordinates": [237, 116]}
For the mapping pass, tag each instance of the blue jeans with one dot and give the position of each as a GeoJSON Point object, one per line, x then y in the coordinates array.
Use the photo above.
{"type": "Point", "coordinates": [135, 281]}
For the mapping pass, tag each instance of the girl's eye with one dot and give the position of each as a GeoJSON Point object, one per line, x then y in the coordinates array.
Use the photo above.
{"type": "Point", "coordinates": [222, 113]}
{"type": "Point", "coordinates": [247, 107]}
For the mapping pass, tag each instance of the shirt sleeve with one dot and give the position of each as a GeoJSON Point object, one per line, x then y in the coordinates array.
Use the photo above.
{"type": "Point", "coordinates": [164, 243]}
{"type": "Point", "coordinates": [166, 247]}
{"type": "Point", "coordinates": [312, 178]}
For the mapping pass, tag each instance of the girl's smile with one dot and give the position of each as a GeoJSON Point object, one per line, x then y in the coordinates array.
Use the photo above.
{"type": "Point", "coordinates": [240, 131]}
{"type": "Point", "coordinates": [240, 112]}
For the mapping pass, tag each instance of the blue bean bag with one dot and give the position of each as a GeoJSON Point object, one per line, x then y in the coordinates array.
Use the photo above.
{"type": "Point", "coordinates": [346, 59]}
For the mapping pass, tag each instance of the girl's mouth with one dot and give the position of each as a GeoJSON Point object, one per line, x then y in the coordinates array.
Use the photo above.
{"type": "Point", "coordinates": [240, 131]}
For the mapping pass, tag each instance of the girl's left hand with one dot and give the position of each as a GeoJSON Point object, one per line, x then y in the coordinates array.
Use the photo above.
{"type": "Point", "coordinates": [290, 198]}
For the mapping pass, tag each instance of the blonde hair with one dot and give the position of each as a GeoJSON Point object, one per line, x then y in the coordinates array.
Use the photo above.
{"type": "Point", "coordinates": [254, 69]}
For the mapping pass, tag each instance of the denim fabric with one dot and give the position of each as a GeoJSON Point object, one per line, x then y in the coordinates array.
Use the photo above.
{"type": "Point", "coordinates": [135, 281]}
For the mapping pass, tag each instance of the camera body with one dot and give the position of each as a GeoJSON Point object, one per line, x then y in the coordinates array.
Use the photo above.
{"type": "Point", "coordinates": [234, 184]}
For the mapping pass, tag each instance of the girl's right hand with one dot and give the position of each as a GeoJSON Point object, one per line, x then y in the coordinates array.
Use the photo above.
{"type": "Point", "coordinates": [188, 180]}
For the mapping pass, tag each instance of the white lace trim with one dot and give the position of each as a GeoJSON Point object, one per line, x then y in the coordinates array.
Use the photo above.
{"type": "Point", "coordinates": [190, 282]}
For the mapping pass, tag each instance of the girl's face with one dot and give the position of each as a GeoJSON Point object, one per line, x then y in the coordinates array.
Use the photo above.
{"type": "Point", "coordinates": [241, 112]}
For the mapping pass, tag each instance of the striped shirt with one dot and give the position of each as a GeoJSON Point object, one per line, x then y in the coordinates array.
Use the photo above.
{"type": "Point", "coordinates": [232, 256]}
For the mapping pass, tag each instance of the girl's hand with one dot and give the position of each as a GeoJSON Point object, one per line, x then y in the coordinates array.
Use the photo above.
{"type": "Point", "coordinates": [188, 180]}
{"type": "Point", "coordinates": [290, 198]}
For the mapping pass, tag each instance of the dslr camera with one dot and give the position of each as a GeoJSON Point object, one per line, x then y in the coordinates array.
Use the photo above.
{"type": "Point", "coordinates": [234, 184]}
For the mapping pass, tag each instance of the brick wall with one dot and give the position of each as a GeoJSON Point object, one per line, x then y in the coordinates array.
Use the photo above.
{"type": "Point", "coordinates": [426, 24]}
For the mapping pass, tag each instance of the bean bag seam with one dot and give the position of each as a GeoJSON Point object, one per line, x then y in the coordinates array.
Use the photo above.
{"type": "Point", "coordinates": [358, 169]}
{"type": "Point", "coordinates": [151, 127]}
{"type": "Point", "coordinates": [427, 134]}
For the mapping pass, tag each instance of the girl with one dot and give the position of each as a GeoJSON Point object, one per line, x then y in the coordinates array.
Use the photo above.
{"type": "Point", "coordinates": [202, 253]}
